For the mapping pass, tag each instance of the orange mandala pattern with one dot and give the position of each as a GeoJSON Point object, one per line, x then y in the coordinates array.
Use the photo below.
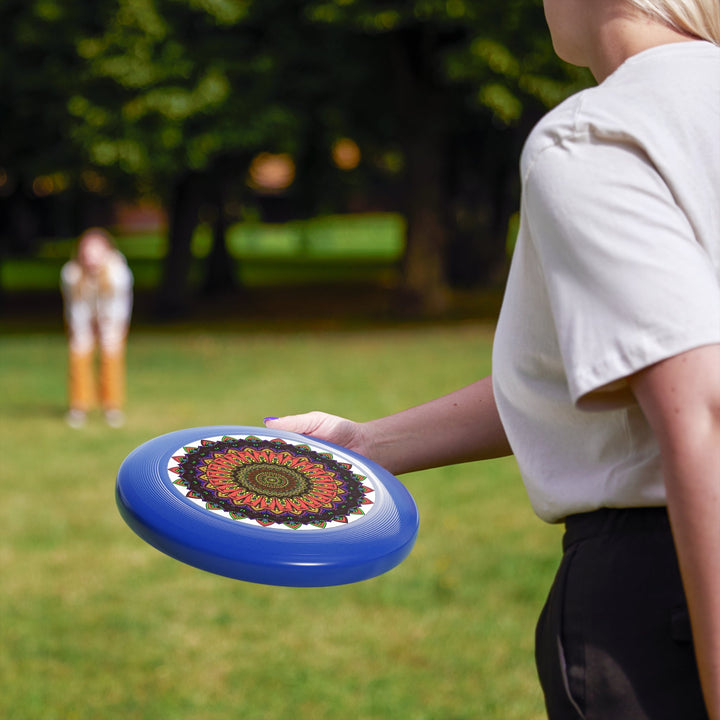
{"type": "Point", "coordinates": [273, 483]}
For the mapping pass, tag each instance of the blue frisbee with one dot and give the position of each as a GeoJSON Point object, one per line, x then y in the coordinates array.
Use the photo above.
{"type": "Point", "coordinates": [267, 506]}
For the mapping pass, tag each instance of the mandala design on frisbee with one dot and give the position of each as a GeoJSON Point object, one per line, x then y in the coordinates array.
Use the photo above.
{"type": "Point", "coordinates": [271, 482]}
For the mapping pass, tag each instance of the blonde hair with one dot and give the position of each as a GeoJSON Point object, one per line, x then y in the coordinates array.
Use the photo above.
{"type": "Point", "coordinates": [699, 18]}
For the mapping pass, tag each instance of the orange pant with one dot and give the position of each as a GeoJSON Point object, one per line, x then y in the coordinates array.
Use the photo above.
{"type": "Point", "coordinates": [84, 393]}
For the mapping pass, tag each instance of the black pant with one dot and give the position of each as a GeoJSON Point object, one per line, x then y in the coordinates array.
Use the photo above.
{"type": "Point", "coordinates": [613, 641]}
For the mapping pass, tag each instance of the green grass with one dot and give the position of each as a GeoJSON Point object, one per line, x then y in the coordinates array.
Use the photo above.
{"type": "Point", "coordinates": [94, 623]}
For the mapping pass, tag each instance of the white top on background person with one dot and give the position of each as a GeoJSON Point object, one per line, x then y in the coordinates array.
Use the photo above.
{"type": "Point", "coordinates": [97, 289]}
{"type": "Point", "coordinates": [632, 375]}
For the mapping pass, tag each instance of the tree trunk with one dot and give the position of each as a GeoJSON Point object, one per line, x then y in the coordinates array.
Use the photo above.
{"type": "Point", "coordinates": [424, 143]}
{"type": "Point", "coordinates": [424, 276]}
{"type": "Point", "coordinates": [175, 296]}
{"type": "Point", "coordinates": [220, 267]}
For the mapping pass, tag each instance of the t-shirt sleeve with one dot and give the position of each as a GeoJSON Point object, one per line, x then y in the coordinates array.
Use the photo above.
{"type": "Point", "coordinates": [629, 282]}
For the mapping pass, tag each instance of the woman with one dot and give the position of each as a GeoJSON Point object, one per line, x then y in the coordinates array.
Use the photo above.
{"type": "Point", "coordinates": [97, 293]}
{"type": "Point", "coordinates": [606, 365]}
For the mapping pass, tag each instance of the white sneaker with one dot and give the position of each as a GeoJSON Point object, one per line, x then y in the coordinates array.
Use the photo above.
{"type": "Point", "coordinates": [75, 418]}
{"type": "Point", "coordinates": [115, 418]}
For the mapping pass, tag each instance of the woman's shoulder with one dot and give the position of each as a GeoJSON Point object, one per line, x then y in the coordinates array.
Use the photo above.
{"type": "Point", "coordinates": [554, 128]}
{"type": "Point", "coordinates": [649, 102]}
{"type": "Point", "coordinates": [604, 112]}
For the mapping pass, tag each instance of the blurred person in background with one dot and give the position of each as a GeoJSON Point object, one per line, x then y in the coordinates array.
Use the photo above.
{"type": "Point", "coordinates": [97, 295]}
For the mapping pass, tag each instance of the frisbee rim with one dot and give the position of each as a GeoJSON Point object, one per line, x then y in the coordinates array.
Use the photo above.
{"type": "Point", "coordinates": [371, 545]}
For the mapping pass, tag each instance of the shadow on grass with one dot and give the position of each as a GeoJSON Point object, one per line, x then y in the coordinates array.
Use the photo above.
{"type": "Point", "coordinates": [287, 308]}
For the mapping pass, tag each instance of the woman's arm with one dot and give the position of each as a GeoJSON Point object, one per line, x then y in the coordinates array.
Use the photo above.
{"type": "Point", "coordinates": [459, 427]}
{"type": "Point", "coordinates": [681, 400]}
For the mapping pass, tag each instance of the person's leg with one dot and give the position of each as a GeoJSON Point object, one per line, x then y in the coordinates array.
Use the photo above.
{"type": "Point", "coordinates": [112, 383]}
{"type": "Point", "coordinates": [624, 647]}
{"type": "Point", "coordinates": [550, 653]}
{"type": "Point", "coordinates": [81, 385]}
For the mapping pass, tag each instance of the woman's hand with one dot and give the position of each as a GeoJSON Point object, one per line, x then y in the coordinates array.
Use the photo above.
{"type": "Point", "coordinates": [323, 426]}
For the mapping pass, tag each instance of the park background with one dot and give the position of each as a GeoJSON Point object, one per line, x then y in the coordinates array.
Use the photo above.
{"type": "Point", "coordinates": [318, 200]}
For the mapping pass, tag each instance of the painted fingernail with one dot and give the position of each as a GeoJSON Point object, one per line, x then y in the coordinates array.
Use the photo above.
{"type": "Point", "coordinates": [269, 418]}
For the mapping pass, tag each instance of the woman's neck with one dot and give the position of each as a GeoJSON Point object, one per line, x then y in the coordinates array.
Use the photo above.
{"type": "Point", "coordinates": [620, 37]}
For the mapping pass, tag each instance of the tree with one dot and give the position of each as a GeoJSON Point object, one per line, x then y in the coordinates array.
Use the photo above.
{"type": "Point", "coordinates": [175, 98]}
{"type": "Point", "coordinates": [460, 72]}
{"type": "Point", "coordinates": [38, 69]}
{"type": "Point", "coordinates": [183, 94]}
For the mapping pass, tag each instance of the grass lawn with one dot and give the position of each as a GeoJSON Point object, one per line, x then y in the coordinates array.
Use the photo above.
{"type": "Point", "coordinates": [96, 624]}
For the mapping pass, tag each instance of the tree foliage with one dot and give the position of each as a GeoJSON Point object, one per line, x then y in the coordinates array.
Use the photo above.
{"type": "Point", "coordinates": [175, 97]}
{"type": "Point", "coordinates": [468, 77]}
{"type": "Point", "coordinates": [39, 68]}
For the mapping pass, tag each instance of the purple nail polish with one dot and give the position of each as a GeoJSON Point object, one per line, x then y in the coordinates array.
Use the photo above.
{"type": "Point", "coordinates": [269, 418]}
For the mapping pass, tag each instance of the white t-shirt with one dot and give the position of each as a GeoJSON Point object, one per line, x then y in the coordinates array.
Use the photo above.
{"type": "Point", "coordinates": [617, 266]}
{"type": "Point", "coordinates": [97, 308]}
